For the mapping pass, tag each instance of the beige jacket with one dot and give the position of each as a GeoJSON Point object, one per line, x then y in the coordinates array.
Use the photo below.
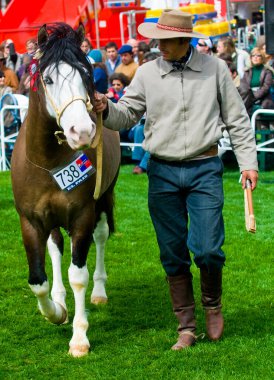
{"type": "Point", "coordinates": [186, 112]}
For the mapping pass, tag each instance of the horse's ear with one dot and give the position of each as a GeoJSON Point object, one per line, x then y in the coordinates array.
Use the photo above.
{"type": "Point", "coordinates": [81, 32]}
{"type": "Point", "coordinates": [42, 35]}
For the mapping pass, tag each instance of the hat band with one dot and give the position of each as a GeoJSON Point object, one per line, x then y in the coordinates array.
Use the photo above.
{"type": "Point", "coordinates": [173, 28]}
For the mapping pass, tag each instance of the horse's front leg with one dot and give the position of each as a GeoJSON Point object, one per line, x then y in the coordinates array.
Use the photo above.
{"type": "Point", "coordinates": [35, 245]}
{"type": "Point", "coordinates": [56, 248]}
{"type": "Point", "coordinates": [78, 278]}
{"type": "Point", "coordinates": [100, 236]}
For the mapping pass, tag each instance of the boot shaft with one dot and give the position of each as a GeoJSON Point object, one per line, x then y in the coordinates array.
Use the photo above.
{"type": "Point", "coordinates": [181, 292]}
{"type": "Point", "coordinates": [211, 287]}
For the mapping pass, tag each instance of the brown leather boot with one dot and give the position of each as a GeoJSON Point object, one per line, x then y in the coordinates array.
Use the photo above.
{"type": "Point", "coordinates": [211, 286]}
{"type": "Point", "coordinates": [181, 292]}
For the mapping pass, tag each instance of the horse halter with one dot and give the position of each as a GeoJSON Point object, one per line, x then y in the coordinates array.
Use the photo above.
{"type": "Point", "coordinates": [59, 111]}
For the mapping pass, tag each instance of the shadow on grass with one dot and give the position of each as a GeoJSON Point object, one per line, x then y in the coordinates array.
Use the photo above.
{"type": "Point", "coordinates": [146, 308]}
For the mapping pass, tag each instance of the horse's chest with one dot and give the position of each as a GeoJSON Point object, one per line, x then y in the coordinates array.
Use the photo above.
{"type": "Point", "coordinates": [58, 210]}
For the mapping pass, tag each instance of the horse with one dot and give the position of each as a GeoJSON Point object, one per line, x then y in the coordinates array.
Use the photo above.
{"type": "Point", "coordinates": [53, 178]}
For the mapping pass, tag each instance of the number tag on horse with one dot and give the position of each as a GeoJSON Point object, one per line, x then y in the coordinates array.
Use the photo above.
{"type": "Point", "coordinates": [73, 174]}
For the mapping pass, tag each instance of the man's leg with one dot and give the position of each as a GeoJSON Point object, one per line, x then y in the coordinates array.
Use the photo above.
{"type": "Point", "coordinates": [206, 237]}
{"type": "Point", "coordinates": [168, 213]}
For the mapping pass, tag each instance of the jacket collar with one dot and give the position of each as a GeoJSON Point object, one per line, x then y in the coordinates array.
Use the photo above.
{"type": "Point", "coordinates": [194, 63]}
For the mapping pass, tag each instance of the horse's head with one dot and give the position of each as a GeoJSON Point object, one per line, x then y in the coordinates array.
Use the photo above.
{"type": "Point", "coordinates": [67, 79]}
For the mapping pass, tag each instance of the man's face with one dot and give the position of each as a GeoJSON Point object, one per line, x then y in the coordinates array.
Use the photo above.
{"type": "Point", "coordinates": [202, 47]}
{"type": "Point", "coordinates": [127, 58]}
{"type": "Point", "coordinates": [173, 49]}
{"type": "Point", "coordinates": [112, 54]}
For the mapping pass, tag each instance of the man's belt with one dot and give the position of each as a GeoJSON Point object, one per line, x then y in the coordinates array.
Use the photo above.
{"type": "Point", "coordinates": [211, 152]}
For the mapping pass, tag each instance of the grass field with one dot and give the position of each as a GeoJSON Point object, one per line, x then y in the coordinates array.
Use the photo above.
{"type": "Point", "coordinates": [131, 335]}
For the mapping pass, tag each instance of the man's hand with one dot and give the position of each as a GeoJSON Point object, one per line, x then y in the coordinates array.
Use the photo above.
{"type": "Point", "coordinates": [252, 175]}
{"type": "Point", "coordinates": [101, 102]}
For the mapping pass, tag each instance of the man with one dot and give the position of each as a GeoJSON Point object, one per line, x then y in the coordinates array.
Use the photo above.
{"type": "Point", "coordinates": [205, 46]}
{"type": "Point", "coordinates": [128, 67]}
{"type": "Point", "coordinates": [113, 58]}
{"type": "Point", "coordinates": [240, 57]}
{"type": "Point", "coordinates": [11, 79]}
{"type": "Point", "coordinates": [189, 99]}
{"type": "Point", "coordinates": [135, 48]}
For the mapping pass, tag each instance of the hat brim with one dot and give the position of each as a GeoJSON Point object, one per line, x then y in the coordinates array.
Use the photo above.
{"type": "Point", "coordinates": [150, 30]}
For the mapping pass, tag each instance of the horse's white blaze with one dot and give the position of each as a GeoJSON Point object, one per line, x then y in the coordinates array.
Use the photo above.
{"type": "Point", "coordinates": [53, 311]}
{"type": "Point", "coordinates": [75, 121]}
{"type": "Point", "coordinates": [100, 237]}
{"type": "Point", "coordinates": [58, 291]}
{"type": "Point", "coordinates": [78, 279]}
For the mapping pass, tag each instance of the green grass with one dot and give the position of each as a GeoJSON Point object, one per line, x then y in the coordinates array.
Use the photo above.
{"type": "Point", "coordinates": [131, 336]}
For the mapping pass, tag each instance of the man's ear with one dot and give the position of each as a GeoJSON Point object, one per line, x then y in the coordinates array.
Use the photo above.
{"type": "Point", "coordinates": [42, 35]}
{"type": "Point", "coordinates": [80, 31]}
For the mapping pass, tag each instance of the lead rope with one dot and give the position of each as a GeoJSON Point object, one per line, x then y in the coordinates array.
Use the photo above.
{"type": "Point", "coordinates": [98, 144]}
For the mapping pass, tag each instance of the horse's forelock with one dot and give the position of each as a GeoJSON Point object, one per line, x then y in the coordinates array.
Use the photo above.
{"type": "Point", "coordinates": [63, 45]}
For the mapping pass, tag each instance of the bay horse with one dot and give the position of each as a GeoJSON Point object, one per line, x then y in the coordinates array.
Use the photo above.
{"type": "Point", "coordinates": [53, 178]}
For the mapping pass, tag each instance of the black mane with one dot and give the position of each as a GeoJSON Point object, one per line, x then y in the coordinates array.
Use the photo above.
{"type": "Point", "coordinates": [63, 45]}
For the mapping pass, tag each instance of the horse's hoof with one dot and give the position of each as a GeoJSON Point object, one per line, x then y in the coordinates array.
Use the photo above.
{"type": "Point", "coordinates": [64, 315]}
{"type": "Point", "coordinates": [61, 315]}
{"type": "Point", "coordinates": [79, 351]}
{"type": "Point", "coordinates": [98, 300]}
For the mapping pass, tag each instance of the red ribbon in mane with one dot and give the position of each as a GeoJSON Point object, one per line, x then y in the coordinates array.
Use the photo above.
{"type": "Point", "coordinates": [34, 74]}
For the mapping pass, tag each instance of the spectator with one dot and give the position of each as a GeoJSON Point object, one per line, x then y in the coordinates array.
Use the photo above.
{"type": "Point", "coordinates": [86, 48]}
{"type": "Point", "coordinates": [13, 59]}
{"type": "Point", "coordinates": [3, 88]}
{"type": "Point", "coordinates": [240, 57]}
{"type": "Point", "coordinates": [24, 83]}
{"type": "Point", "coordinates": [139, 155]}
{"type": "Point", "coordinates": [142, 49]}
{"type": "Point", "coordinates": [134, 43]}
{"type": "Point", "coordinates": [118, 84]}
{"type": "Point", "coordinates": [99, 71]}
{"type": "Point", "coordinates": [113, 58]}
{"type": "Point", "coordinates": [205, 46]}
{"type": "Point", "coordinates": [259, 79]}
{"type": "Point", "coordinates": [246, 95]}
{"type": "Point", "coordinates": [128, 67]}
{"type": "Point", "coordinates": [11, 79]}
{"type": "Point", "coordinates": [150, 56]}
{"type": "Point", "coordinates": [136, 134]}
{"type": "Point", "coordinates": [31, 46]}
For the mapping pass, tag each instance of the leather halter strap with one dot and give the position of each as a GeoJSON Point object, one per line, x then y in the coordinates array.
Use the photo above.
{"type": "Point", "coordinates": [98, 140]}
{"type": "Point", "coordinates": [59, 111]}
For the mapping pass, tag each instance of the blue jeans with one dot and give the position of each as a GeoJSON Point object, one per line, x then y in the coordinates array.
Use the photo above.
{"type": "Point", "coordinates": [181, 190]}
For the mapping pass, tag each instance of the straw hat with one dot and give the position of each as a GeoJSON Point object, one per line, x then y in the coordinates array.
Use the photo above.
{"type": "Point", "coordinates": [172, 23]}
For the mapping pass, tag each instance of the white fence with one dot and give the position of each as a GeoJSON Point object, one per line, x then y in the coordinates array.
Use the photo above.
{"type": "Point", "coordinates": [6, 139]}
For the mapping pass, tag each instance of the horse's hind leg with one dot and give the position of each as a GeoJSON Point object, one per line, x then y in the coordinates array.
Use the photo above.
{"type": "Point", "coordinates": [100, 237]}
{"type": "Point", "coordinates": [56, 248]}
{"type": "Point", "coordinates": [35, 245]}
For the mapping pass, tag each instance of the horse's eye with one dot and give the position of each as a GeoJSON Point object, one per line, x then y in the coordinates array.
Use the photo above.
{"type": "Point", "coordinates": [48, 80]}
